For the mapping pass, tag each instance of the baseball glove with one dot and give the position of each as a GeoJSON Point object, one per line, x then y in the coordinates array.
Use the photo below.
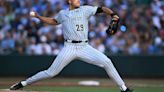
{"type": "Point", "coordinates": [112, 29]}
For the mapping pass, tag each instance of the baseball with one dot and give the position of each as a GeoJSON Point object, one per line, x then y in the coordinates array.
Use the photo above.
{"type": "Point", "coordinates": [32, 13]}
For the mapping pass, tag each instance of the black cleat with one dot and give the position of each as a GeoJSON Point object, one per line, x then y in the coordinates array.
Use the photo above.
{"type": "Point", "coordinates": [128, 90]}
{"type": "Point", "coordinates": [16, 86]}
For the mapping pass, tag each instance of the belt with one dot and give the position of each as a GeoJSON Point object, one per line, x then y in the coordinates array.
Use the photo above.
{"type": "Point", "coordinates": [73, 41]}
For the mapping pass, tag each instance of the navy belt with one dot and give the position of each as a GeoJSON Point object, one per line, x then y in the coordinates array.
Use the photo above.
{"type": "Point", "coordinates": [73, 41]}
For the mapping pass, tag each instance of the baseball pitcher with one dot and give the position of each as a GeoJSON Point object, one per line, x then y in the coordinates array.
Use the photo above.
{"type": "Point", "coordinates": [75, 30]}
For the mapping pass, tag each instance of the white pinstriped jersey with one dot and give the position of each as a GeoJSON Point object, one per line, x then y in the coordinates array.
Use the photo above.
{"type": "Point", "coordinates": [75, 22]}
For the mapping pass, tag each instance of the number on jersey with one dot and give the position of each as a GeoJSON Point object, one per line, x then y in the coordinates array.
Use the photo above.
{"type": "Point", "coordinates": [80, 27]}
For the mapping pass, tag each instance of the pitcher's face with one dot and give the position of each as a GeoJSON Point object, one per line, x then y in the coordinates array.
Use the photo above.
{"type": "Point", "coordinates": [74, 3]}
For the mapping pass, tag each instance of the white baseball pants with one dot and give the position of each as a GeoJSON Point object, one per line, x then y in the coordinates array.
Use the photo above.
{"type": "Point", "coordinates": [82, 51]}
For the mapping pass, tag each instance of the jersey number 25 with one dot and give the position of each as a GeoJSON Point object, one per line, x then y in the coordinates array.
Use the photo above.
{"type": "Point", "coordinates": [80, 27]}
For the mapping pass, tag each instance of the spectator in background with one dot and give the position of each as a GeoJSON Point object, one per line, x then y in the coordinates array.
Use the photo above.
{"type": "Point", "coordinates": [55, 49]}
{"type": "Point", "coordinates": [32, 47]}
{"type": "Point", "coordinates": [8, 43]}
{"type": "Point", "coordinates": [43, 48]}
{"type": "Point", "coordinates": [97, 44]}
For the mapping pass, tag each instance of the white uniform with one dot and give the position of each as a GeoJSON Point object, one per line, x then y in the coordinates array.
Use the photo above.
{"type": "Point", "coordinates": [75, 27]}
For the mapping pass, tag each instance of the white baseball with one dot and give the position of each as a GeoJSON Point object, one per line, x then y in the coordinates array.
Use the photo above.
{"type": "Point", "coordinates": [32, 13]}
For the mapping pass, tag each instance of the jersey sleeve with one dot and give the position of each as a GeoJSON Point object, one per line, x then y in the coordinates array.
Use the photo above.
{"type": "Point", "coordinates": [58, 18]}
{"type": "Point", "coordinates": [90, 10]}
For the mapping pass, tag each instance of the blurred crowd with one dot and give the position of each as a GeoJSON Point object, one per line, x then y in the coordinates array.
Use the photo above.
{"type": "Point", "coordinates": [141, 28]}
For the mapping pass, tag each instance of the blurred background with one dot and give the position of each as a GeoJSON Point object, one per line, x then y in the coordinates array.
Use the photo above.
{"type": "Point", "coordinates": [140, 38]}
{"type": "Point", "coordinates": [137, 50]}
{"type": "Point", "coordinates": [141, 27]}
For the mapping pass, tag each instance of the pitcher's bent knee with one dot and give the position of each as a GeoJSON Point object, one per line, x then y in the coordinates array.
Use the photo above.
{"type": "Point", "coordinates": [108, 63]}
{"type": "Point", "coordinates": [51, 74]}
